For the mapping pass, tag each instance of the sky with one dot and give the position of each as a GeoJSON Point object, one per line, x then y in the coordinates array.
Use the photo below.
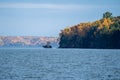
{"type": "Point", "coordinates": [49, 17]}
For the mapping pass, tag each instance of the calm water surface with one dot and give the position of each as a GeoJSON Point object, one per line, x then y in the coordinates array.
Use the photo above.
{"type": "Point", "coordinates": [59, 64]}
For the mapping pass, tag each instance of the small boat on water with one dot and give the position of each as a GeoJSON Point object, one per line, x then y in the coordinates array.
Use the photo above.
{"type": "Point", "coordinates": [47, 45]}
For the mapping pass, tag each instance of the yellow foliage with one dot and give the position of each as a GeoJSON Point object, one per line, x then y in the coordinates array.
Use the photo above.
{"type": "Point", "coordinates": [107, 22]}
{"type": "Point", "coordinates": [67, 30]}
{"type": "Point", "coordinates": [100, 26]}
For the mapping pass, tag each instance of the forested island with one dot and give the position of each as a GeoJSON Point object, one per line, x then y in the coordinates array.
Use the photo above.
{"type": "Point", "coordinates": [102, 34]}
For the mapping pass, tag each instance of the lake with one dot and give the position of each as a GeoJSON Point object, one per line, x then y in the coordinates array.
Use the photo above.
{"type": "Point", "coordinates": [59, 64]}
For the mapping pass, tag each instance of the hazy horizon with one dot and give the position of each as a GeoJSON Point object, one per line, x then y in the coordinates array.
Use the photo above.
{"type": "Point", "coordinates": [47, 18]}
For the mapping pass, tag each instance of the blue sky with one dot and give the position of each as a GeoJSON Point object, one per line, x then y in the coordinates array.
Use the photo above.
{"type": "Point", "coordinates": [48, 17]}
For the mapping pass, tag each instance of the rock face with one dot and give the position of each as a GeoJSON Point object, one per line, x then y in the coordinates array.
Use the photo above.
{"type": "Point", "coordinates": [26, 41]}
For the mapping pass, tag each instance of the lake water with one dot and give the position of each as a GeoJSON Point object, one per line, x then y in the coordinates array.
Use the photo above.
{"type": "Point", "coordinates": [59, 64]}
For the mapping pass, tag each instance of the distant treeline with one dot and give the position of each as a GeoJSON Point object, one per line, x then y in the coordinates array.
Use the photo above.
{"type": "Point", "coordinates": [103, 33]}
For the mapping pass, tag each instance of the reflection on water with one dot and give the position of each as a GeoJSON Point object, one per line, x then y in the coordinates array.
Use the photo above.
{"type": "Point", "coordinates": [59, 64]}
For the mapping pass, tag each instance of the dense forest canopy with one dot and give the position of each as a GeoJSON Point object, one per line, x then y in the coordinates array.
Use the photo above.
{"type": "Point", "coordinates": [103, 33]}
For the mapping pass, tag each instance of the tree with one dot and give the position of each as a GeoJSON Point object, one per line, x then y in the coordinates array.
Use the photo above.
{"type": "Point", "coordinates": [107, 15]}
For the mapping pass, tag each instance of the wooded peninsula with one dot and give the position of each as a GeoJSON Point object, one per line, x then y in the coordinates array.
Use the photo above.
{"type": "Point", "coordinates": [102, 34]}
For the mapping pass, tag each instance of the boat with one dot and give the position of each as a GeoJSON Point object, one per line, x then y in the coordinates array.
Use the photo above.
{"type": "Point", "coordinates": [47, 45]}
